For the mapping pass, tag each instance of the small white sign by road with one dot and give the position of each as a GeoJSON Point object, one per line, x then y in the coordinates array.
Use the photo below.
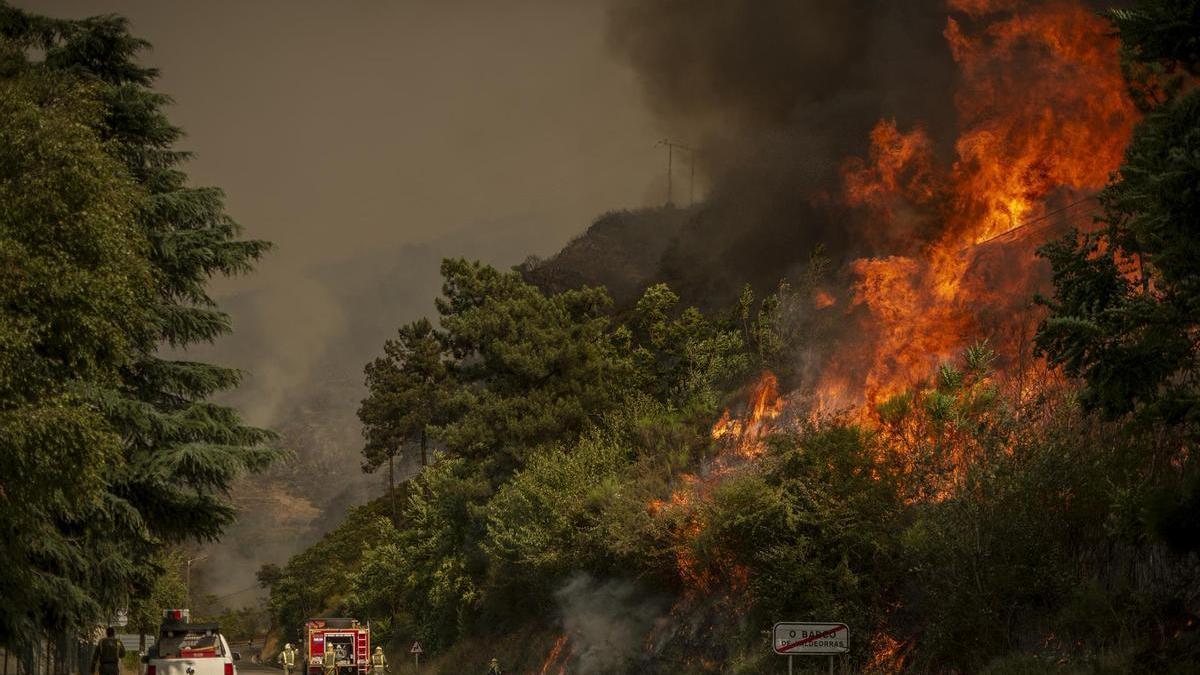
{"type": "Point", "coordinates": [416, 649]}
{"type": "Point", "coordinates": [810, 638]}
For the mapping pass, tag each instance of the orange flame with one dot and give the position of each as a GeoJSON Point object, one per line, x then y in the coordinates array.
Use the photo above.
{"type": "Point", "coordinates": [746, 437]}
{"type": "Point", "coordinates": [738, 439]}
{"type": "Point", "coordinates": [552, 658]}
{"type": "Point", "coordinates": [1044, 115]}
{"type": "Point", "coordinates": [887, 654]}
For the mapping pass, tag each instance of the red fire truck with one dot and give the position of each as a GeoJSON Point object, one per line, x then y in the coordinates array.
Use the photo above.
{"type": "Point", "coordinates": [350, 640]}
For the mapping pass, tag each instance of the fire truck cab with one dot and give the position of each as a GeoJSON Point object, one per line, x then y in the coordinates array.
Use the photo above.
{"type": "Point", "coordinates": [350, 640]}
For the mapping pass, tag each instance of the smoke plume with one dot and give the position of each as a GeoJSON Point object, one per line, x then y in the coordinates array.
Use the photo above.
{"type": "Point", "coordinates": [605, 622]}
{"type": "Point", "coordinates": [775, 95]}
{"type": "Point", "coordinates": [914, 141]}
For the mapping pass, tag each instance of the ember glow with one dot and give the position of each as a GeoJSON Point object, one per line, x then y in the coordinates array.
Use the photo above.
{"type": "Point", "coordinates": [745, 437]}
{"type": "Point", "coordinates": [739, 438]}
{"type": "Point", "coordinates": [557, 658]}
{"type": "Point", "coordinates": [1044, 117]}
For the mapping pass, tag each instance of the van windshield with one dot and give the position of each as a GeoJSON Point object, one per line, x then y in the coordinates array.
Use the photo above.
{"type": "Point", "coordinates": [183, 644]}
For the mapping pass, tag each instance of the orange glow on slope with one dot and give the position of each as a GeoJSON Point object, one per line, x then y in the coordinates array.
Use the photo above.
{"type": "Point", "coordinates": [738, 439]}
{"type": "Point", "coordinates": [557, 652]}
{"type": "Point", "coordinates": [745, 437]}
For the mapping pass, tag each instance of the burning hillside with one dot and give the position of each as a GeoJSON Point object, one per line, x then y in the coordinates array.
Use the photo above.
{"type": "Point", "coordinates": [1042, 119]}
{"type": "Point", "coordinates": [952, 137]}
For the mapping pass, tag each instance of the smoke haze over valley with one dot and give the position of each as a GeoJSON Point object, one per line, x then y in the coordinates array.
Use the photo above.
{"type": "Point", "coordinates": [368, 140]}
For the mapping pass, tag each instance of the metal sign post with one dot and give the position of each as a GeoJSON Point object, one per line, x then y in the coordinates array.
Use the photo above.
{"type": "Point", "coordinates": [416, 651]}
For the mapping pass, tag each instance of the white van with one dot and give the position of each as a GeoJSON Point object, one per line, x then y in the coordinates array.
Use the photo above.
{"type": "Point", "coordinates": [185, 648]}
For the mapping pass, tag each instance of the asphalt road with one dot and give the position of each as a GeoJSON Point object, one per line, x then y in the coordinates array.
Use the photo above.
{"type": "Point", "coordinates": [247, 668]}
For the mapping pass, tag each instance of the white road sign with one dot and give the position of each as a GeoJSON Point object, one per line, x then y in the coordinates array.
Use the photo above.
{"type": "Point", "coordinates": [416, 649]}
{"type": "Point", "coordinates": [810, 638]}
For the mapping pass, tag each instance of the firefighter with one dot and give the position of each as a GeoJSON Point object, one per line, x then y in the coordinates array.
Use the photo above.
{"type": "Point", "coordinates": [494, 667]}
{"type": "Point", "coordinates": [287, 658]}
{"type": "Point", "coordinates": [329, 662]}
{"type": "Point", "coordinates": [108, 654]}
{"type": "Point", "coordinates": [379, 664]}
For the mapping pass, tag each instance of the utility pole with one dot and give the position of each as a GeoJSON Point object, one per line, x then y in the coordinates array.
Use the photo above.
{"type": "Point", "coordinates": [392, 484]}
{"type": "Point", "coordinates": [671, 146]}
{"type": "Point", "coordinates": [188, 577]}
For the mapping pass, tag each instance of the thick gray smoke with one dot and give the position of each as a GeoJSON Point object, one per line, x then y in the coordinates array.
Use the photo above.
{"type": "Point", "coordinates": [775, 95]}
{"type": "Point", "coordinates": [606, 622]}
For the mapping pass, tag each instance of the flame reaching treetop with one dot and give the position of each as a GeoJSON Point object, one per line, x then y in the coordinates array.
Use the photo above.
{"type": "Point", "coordinates": [1043, 112]}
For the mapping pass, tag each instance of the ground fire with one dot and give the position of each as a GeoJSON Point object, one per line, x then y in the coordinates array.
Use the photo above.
{"type": "Point", "coordinates": [557, 658]}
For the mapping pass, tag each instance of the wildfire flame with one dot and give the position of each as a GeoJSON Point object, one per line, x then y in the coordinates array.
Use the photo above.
{"type": "Point", "coordinates": [1045, 117]}
{"type": "Point", "coordinates": [887, 654]}
{"type": "Point", "coordinates": [559, 655]}
{"type": "Point", "coordinates": [738, 440]}
{"type": "Point", "coordinates": [746, 437]}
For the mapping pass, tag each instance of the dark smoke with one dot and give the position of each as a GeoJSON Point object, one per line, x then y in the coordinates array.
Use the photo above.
{"type": "Point", "coordinates": [775, 95]}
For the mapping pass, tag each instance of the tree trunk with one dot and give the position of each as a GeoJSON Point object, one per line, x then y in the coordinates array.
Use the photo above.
{"type": "Point", "coordinates": [424, 440]}
{"type": "Point", "coordinates": [392, 486]}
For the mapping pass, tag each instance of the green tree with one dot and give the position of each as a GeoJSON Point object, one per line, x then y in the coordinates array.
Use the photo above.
{"type": "Point", "coordinates": [1125, 314]}
{"type": "Point", "coordinates": [1160, 48]}
{"type": "Point", "coordinates": [408, 389]}
{"type": "Point", "coordinates": [683, 356]}
{"type": "Point", "coordinates": [169, 590]}
{"type": "Point", "coordinates": [435, 565]}
{"type": "Point", "coordinates": [74, 283]}
{"type": "Point", "coordinates": [533, 369]}
{"type": "Point", "coordinates": [179, 452]}
{"type": "Point", "coordinates": [317, 581]}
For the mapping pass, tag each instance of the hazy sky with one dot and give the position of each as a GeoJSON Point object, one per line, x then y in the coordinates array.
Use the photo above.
{"type": "Point", "coordinates": [366, 139]}
{"type": "Point", "coordinates": [341, 126]}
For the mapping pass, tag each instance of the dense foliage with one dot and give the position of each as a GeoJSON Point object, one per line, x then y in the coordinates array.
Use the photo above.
{"type": "Point", "coordinates": [964, 525]}
{"type": "Point", "coordinates": [73, 285]}
{"type": "Point", "coordinates": [1125, 315]}
{"type": "Point", "coordinates": [111, 451]}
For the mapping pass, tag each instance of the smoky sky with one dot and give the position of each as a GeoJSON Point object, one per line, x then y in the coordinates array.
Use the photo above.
{"type": "Point", "coordinates": [776, 95]}
{"type": "Point", "coordinates": [367, 139]}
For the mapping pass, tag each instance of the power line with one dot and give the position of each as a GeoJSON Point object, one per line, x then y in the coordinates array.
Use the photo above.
{"type": "Point", "coordinates": [230, 595]}
{"type": "Point", "coordinates": [1040, 218]}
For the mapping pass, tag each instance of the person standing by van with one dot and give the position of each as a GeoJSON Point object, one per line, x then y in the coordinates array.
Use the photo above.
{"type": "Point", "coordinates": [108, 654]}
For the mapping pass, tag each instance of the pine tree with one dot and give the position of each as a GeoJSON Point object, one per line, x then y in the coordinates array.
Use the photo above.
{"type": "Point", "coordinates": [409, 389]}
{"type": "Point", "coordinates": [1125, 315]}
{"type": "Point", "coordinates": [74, 282]}
{"type": "Point", "coordinates": [180, 451]}
{"type": "Point", "coordinates": [534, 370]}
